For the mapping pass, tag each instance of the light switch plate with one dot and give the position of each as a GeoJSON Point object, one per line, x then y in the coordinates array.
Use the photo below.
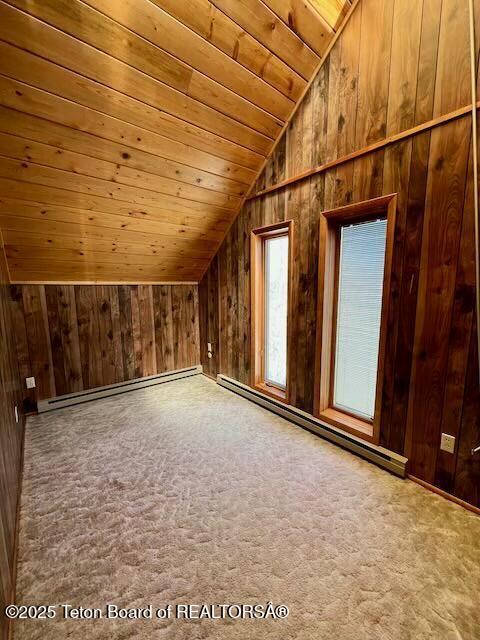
{"type": "Point", "coordinates": [209, 346]}
{"type": "Point", "coordinates": [447, 443]}
{"type": "Point", "coordinates": [16, 413]}
{"type": "Point", "coordinates": [30, 383]}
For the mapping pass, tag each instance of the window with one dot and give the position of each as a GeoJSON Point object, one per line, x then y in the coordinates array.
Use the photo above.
{"type": "Point", "coordinates": [354, 281]}
{"type": "Point", "coordinates": [270, 259]}
{"type": "Point", "coordinates": [359, 306]}
{"type": "Point", "coordinates": [276, 304]}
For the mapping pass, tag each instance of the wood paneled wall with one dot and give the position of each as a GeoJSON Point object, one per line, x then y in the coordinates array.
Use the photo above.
{"type": "Point", "coordinates": [208, 300]}
{"type": "Point", "coordinates": [11, 436]}
{"type": "Point", "coordinates": [397, 64]}
{"type": "Point", "coordinates": [77, 337]}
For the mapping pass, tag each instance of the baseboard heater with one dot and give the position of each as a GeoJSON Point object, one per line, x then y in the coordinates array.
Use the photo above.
{"type": "Point", "coordinates": [382, 457]}
{"type": "Point", "coordinates": [114, 389]}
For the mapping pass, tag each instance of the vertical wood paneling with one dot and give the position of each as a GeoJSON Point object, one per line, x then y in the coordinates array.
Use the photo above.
{"type": "Point", "coordinates": [407, 21]}
{"type": "Point", "coordinates": [126, 332]}
{"type": "Point", "coordinates": [62, 314]}
{"type": "Point", "coordinates": [340, 95]}
{"type": "Point", "coordinates": [21, 341]}
{"type": "Point", "coordinates": [452, 84]}
{"type": "Point", "coordinates": [105, 333]}
{"type": "Point", "coordinates": [427, 60]}
{"type": "Point", "coordinates": [233, 297]}
{"type": "Point", "coordinates": [194, 344]}
{"type": "Point", "coordinates": [459, 339]}
{"type": "Point", "coordinates": [467, 476]}
{"type": "Point", "coordinates": [242, 239]}
{"type": "Point", "coordinates": [246, 217]}
{"type": "Point", "coordinates": [70, 342]}
{"type": "Point", "coordinates": [37, 336]}
{"type": "Point", "coordinates": [208, 325]}
{"type": "Point", "coordinates": [88, 332]}
{"type": "Point", "coordinates": [55, 339]}
{"type": "Point", "coordinates": [395, 65]}
{"type": "Point", "coordinates": [117, 334]}
{"type": "Point", "coordinates": [136, 332]}
{"type": "Point", "coordinates": [90, 336]}
{"type": "Point", "coordinates": [176, 310]}
{"type": "Point", "coordinates": [164, 328]}
{"type": "Point", "coordinates": [147, 330]}
{"type": "Point", "coordinates": [394, 423]}
{"type": "Point", "coordinates": [439, 253]}
{"type": "Point", "coordinates": [374, 71]}
{"type": "Point", "coordinates": [222, 284]}
{"type": "Point", "coordinates": [396, 179]}
{"type": "Point", "coordinates": [11, 434]}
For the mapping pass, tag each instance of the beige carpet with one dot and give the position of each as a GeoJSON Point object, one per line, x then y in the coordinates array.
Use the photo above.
{"type": "Point", "coordinates": [186, 493]}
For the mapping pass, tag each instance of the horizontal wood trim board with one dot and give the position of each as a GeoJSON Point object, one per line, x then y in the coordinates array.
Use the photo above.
{"type": "Point", "coordinates": [115, 283]}
{"type": "Point", "coordinates": [408, 133]}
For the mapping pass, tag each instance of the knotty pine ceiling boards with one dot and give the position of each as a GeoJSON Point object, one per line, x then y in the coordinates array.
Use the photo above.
{"type": "Point", "coordinates": [130, 132]}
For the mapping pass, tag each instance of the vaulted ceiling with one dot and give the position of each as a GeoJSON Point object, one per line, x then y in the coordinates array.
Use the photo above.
{"type": "Point", "coordinates": [131, 130]}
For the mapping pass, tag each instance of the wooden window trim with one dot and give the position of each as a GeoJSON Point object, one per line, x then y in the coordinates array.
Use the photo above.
{"type": "Point", "coordinates": [257, 322]}
{"type": "Point", "coordinates": [330, 221]}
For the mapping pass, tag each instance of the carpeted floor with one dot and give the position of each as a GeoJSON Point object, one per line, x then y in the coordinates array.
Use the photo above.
{"type": "Point", "coordinates": [186, 493]}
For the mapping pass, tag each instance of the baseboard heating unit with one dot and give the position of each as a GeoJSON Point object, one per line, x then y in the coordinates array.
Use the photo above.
{"type": "Point", "coordinates": [395, 463]}
{"type": "Point", "coordinates": [114, 389]}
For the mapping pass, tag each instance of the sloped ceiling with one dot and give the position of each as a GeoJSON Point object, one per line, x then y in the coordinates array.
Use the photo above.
{"type": "Point", "coordinates": [130, 130]}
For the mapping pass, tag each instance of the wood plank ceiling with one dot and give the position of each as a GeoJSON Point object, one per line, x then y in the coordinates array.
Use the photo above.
{"type": "Point", "coordinates": [130, 130]}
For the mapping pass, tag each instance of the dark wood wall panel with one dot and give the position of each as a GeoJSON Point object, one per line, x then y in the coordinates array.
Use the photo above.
{"type": "Point", "coordinates": [396, 65]}
{"type": "Point", "coordinates": [77, 337]}
{"type": "Point", "coordinates": [466, 479]}
{"type": "Point", "coordinates": [11, 435]}
{"type": "Point", "coordinates": [208, 310]}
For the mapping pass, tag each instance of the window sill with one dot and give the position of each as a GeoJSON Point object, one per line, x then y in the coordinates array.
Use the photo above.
{"type": "Point", "coordinates": [273, 392]}
{"type": "Point", "coordinates": [356, 426]}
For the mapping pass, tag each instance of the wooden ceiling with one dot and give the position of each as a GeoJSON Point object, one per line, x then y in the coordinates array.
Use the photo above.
{"type": "Point", "coordinates": [131, 130]}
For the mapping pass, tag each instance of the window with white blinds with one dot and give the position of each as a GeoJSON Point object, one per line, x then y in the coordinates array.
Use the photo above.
{"type": "Point", "coordinates": [358, 311]}
{"type": "Point", "coordinates": [276, 307]}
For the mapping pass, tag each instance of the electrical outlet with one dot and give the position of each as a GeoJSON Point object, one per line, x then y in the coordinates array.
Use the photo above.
{"type": "Point", "coordinates": [447, 443]}
{"type": "Point", "coordinates": [30, 383]}
{"type": "Point", "coordinates": [16, 413]}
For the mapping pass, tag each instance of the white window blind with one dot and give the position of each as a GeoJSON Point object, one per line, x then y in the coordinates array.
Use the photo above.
{"type": "Point", "coordinates": [359, 305]}
{"type": "Point", "coordinates": [276, 305]}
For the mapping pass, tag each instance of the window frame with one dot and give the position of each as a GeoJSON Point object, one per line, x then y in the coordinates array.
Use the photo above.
{"type": "Point", "coordinates": [331, 222]}
{"type": "Point", "coordinates": [258, 237]}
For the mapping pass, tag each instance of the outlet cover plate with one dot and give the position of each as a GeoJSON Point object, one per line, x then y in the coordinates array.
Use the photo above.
{"type": "Point", "coordinates": [447, 443]}
{"type": "Point", "coordinates": [30, 382]}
